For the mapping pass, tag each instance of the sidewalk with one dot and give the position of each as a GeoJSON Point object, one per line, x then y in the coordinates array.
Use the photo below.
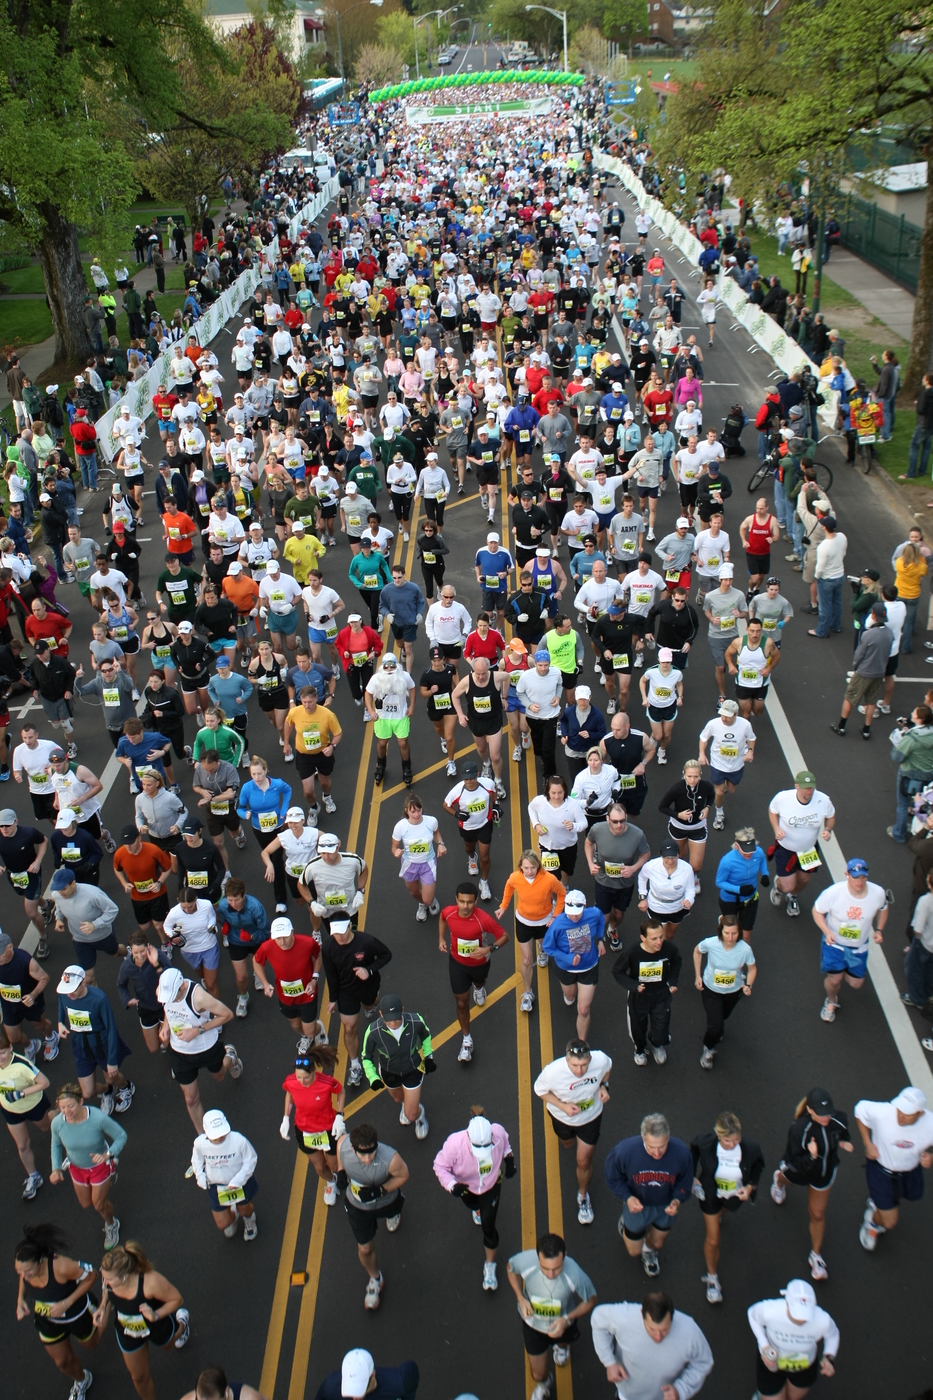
{"type": "Point", "coordinates": [884, 298]}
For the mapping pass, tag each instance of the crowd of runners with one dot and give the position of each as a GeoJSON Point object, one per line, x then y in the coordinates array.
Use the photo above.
{"type": "Point", "coordinates": [478, 319]}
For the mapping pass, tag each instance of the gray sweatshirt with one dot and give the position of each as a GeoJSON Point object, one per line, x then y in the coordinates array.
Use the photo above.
{"type": "Point", "coordinates": [683, 1359]}
{"type": "Point", "coordinates": [88, 905]}
{"type": "Point", "coordinates": [872, 652]}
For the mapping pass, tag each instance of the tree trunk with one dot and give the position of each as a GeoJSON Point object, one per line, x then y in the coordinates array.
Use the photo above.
{"type": "Point", "coordinates": [920, 358]}
{"type": "Point", "coordinates": [65, 284]}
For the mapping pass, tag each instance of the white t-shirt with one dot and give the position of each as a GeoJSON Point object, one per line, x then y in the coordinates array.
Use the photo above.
{"type": "Point", "coordinates": [728, 1170]}
{"type": "Point", "coordinates": [418, 840]}
{"type": "Point", "coordinates": [639, 591]}
{"type": "Point", "coordinates": [34, 762]}
{"type": "Point", "coordinates": [198, 926]}
{"type": "Point", "coordinates": [662, 690]}
{"type": "Point", "coordinates": [321, 605]}
{"type": "Point", "coordinates": [556, 1078]}
{"type": "Point", "coordinates": [395, 704]}
{"type": "Point", "coordinates": [728, 742]}
{"type": "Point", "coordinates": [279, 593]}
{"type": "Point", "coordinates": [711, 551]}
{"type": "Point", "coordinates": [899, 1144]}
{"type": "Point", "coordinates": [797, 1343]}
{"type": "Point", "coordinates": [801, 824]}
{"type": "Point", "coordinates": [477, 804]}
{"type": "Point", "coordinates": [689, 464]}
{"type": "Point", "coordinates": [850, 917]}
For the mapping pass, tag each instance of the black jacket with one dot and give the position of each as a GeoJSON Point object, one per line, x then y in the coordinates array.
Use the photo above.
{"type": "Point", "coordinates": [671, 628]}
{"type": "Point", "coordinates": [625, 969]}
{"type": "Point", "coordinates": [818, 1170]}
{"type": "Point", "coordinates": [703, 1148]}
{"type": "Point", "coordinates": [53, 678]}
{"type": "Point", "coordinates": [164, 712]}
{"type": "Point", "coordinates": [383, 1054]}
{"type": "Point", "coordinates": [681, 798]}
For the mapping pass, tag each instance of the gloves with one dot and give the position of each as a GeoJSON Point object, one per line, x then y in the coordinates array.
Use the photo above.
{"type": "Point", "coordinates": [746, 890]}
{"type": "Point", "coordinates": [317, 910]}
{"type": "Point", "coordinates": [338, 1127]}
{"type": "Point", "coordinates": [458, 1189]}
{"type": "Point", "coordinates": [430, 1064]}
{"type": "Point", "coordinates": [390, 618]}
{"type": "Point", "coordinates": [523, 617]}
{"type": "Point", "coordinates": [285, 1128]}
{"type": "Point", "coordinates": [370, 1193]}
{"type": "Point", "coordinates": [765, 881]}
{"type": "Point", "coordinates": [376, 1084]}
{"type": "Point", "coordinates": [357, 901]}
{"type": "Point", "coordinates": [419, 617]}
{"type": "Point", "coordinates": [510, 1167]}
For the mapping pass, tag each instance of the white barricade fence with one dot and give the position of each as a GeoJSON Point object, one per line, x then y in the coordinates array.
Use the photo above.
{"type": "Point", "coordinates": [139, 394]}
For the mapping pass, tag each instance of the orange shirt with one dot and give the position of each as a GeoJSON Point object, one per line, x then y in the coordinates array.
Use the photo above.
{"type": "Point", "coordinates": [533, 902]}
{"type": "Point", "coordinates": [242, 591]}
{"type": "Point", "coordinates": [180, 529]}
{"type": "Point", "coordinates": [142, 870]}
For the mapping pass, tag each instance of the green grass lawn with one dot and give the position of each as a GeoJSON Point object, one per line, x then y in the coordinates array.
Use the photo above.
{"type": "Point", "coordinates": [23, 280]}
{"type": "Point", "coordinates": [680, 69]}
{"type": "Point", "coordinates": [24, 322]}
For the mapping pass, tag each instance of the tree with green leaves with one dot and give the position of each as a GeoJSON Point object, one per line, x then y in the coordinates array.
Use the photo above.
{"type": "Point", "coordinates": [625, 20]}
{"type": "Point", "coordinates": [72, 79]}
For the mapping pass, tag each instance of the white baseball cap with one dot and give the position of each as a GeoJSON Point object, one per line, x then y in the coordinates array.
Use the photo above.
{"type": "Point", "coordinates": [295, 814]}
{"type": "Point", "coordinates": [215, 1125]}
{"type": "Point", "coordinates": [575, 899]}
{"type": "Point", "coordinates": [726, 570]}
{"type": "Point", "coordinates": [281, 928]}
{"type": "Point", "coordinates": [356, 1372]}
{"type": "Point", "coordinates": [186, 626]}
{"type": "Point", "coordinates": [169, 985]}
{"type": "Point", "coordinates": [800, 1299]}
{"type": "Point", "coordinates": [910, 1100]}
{"type": "Point", "coordinates": [492, 536]}
{"type": "Point", "coordinates": [71, 978]}
{"type": "Point", "coordinates": [683, 523]}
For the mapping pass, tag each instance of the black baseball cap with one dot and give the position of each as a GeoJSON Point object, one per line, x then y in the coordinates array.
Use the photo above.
{"type": "Point", "coordinates": [820, 1102]}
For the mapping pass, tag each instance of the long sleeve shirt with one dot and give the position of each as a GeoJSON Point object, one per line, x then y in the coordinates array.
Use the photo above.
{"type": "Point", "coordinates": [405, 601]}
{"type": "Point", "coordinates": [456, 1163]}
{"type": "Point", "coordinates": [399, 1053]}
{"type": "Point", "coordinates": [92, 1018]}
{"type": "Point", "coordinates": [872, 652]}
{"type": "Point", "coordinates": [340, 960]}
{"type": "Point", "coordinates": [736, 877]}
{"type": "Point", "coordinates": [655, 1181]}
{"type": "Point", "coordinates": [831, 556]}
{"type": "Point", "coordinates": [88, 905]}
{"type": "Point", "coordinates": [634, 967]}
{"type": "Point", "coordinates": [682, 1360]}
{"type": "Point", "coordinates": [772, 1327]}
{"type": "Point", "coordinates": [79, 1141]}
{"type": "Point", "coordinates": [228, 1163]}
{"type": "Point", "coordinates": [141, 982]}
{"type": "Point", "coordinates": [246, 927]}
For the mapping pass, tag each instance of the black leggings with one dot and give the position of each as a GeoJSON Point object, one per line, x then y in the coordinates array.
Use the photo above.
{"type": "Point", "coordinates": [719, 1006]}
{"type": "Point", "coordinates": [488, 1206]}
{"type": "Point", "coordinates": [280, 888]}
{"type": "Point", "coordinates": [401, 502]}
{"type": "Point", "coordinates": [433, 575]}
{"type": "Point", "coordinates": [358, 677]}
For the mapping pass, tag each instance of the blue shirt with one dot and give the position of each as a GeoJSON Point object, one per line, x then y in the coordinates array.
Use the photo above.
{"type": "Point", "coordinates": [581, 565]}
{"type": "Point", "coordinates": [489, 564]}
{"type": "Point", "coordinates": [614, 405]}
{"type": "Point", "coordinates": [136, 753]}
{"type": "Point", "coordinates": [231, 692]}
{"type": "Point", "coordinates": [103, 1033]}
{"type": "Point", "coordinates": [405, 601]}
{"type": "Point", "coordinates": [248, 926]}
{"type": "Point", "coordinates": [316, 675]}
{"type": "Point", "coordinates": [253, 801]}
{"type": "Point", "coordinates": [392, 1383]}
{"type": "Point", "coordinates": [735, 871]}
{"type": "Point", "coordinates": [653, 1181]}
{"type": "Point", "coordinates": [567, 938]}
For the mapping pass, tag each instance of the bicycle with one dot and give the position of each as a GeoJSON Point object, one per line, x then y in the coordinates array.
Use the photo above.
{"type": "Point", "coordinates": [822, 473]}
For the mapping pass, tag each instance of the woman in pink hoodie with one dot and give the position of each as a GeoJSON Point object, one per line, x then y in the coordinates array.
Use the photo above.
{"type": "Point", "coordinates": [471, 1165]}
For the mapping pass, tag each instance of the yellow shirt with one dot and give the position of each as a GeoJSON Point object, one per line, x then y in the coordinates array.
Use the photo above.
{"type": "Point", "coordinates": [343, 281]}
{"type": "Point", "coordinates": [303, 555]}
{"type": "Point", "coordinates": [908, 577]}
{"type": "Point", "coordinates": [313, 732]}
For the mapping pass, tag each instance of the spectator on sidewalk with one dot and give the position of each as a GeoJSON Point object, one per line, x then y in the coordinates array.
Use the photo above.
{"type": "Point", "coordinates": [922, 440]}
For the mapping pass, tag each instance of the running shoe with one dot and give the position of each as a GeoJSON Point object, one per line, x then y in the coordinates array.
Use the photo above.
{"type": "Point", "coordinates": [793, 908]}
{"type": "Point", "coordinates": [639, 661]}
{"type": "Point", "coordinates": [250, 1227]}
{"type": "Point", "coordinates": [31, 1185]}
{"type": "Point", "coordinates": [484, 891]}
{"type": "Point", "coordinates": [707, 1057]}
{"type": "Point", "coordinates": [659, 1053]}
{"type": "Point", "coordinates": [466, 1050]}
{"type": "Point", "coordinates": [242, 1005]}
{"type": "Point", "coordinates": [611, 708]}
{"type": "Point", "coordinates": [393, 1222]}
{"type": "Point", "coordinates": [421, 1125]}
{"type": "Point", "coordinates": [304, 1045]}
{"type": "Point", "coordinates": [490, 1282]}
{"type": "Point", "coordinates": [32, 1049]}
{"type": "Point", "coordinates": [472, 865]}
{"type": "Point", "coordinates": [585, 1213]}
{"type": "Point", "coordinates": [330, 1192]}
{"type": "Point", "coordinates": [713, 1290]}
{"type": "Point", "coordinates": [257, 984]}
{"type": "Point", "coordinates": [776, 896]}
{"type": "Point", "coordinates": [112, 1234]}
{"type": "Point", "coordinates": [641, 1057]}
{"type": "Point", "coordinates": [479, 995]}
{"type": "Point", "coordinates": [125, 1097]}
{"type": "Point", "coordinates": [500, 790]}
{"type": "Point", "coordinates": [236, 1067]}
{"type": "Point", "coordinates": [106, 1102]}
{"type": "Point", "coordinates": [719, 820]}
{"type": "Point", "coordinates": [421, 913]}
{"type": "Point", "coordinates": [650, 1262]}
{"type": "Point", "coordinates": [313, 815]}
{"type": "Point", "coordinates": [281, 907]}
{"type": "Point", "coordinates": [526, 741]}
{"type": "Point", "coordinates": [614, 941]}
{"type": "Point", "coordinates": [372, 1296]}
{"type": "Point", "coordinates": [487, 769]}
{"type": "Point", "coordinates": [696, 884]}
{"type": "Point", "coordinates": [477, 1218]}
{"type": "Point", "coordinates": [517, 753]}
{"type": "Point", "coordinates": [329, 803]}
{"type": "Point", "coordinates": [542, 1390]}
{"type": "Point", "coordinates": [72, 750]}
{"type": "Point", "coordinates": [183, 1317]}
{"type": "Point", "coordinates": [528, 1001]}
{"type": "Point", "coordinates": [662, 757]}
{"type": "Point", "coordinates": [828, 1012]}
{"type": "Point", "coordinates": [81, 1387]}
{"type": "Point", "coordinates": [560, 1354]}
{"type": "Point", "coordinates": [434, 908]}
{"type": "Point", "coordinates": [403, 1118]}
{"type": "Point", "coordinates": [355, 1074]}
{"type": "Point", "coordinates": [42, 948]}
{"type": "Point", "coordinates": [451, 768]}
{"type": "Point", "coordinates": [231, 1229]}
{"type": "Point", "coordinates": [818, 1269]}
{"type": "Point", "coordinates": [868, 1236]}
{"type": "Point", "coordinates": [778, 1191]}
{"type": "Point", "coordinates": [541, 959]}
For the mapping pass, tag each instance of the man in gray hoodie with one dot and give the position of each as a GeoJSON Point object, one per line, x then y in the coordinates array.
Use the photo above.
{"type": "Point", "coordinates": [88, 915]}
{"type": "Point", "coordinates": [650, 1349]}
{"type": "Point", "coordinates": [868, 667]}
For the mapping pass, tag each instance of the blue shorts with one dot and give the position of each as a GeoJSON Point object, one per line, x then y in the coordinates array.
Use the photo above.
{"type": "Point", "coordinates": [319, 635]}
{"type": "Point", "coordinates": [888, 1189]}
{"type": "Point", "coordinates": [852, 961]}
{"type": "Point", "coordinates": [249, 1190]}
{"type": "Point", "coordinates": [168, 427]}
{"type": "Point", "coordinates": [405, 632]}
{"type": "Point", "coordinates": [86, 953]}
{"type": "Point", "coordinates": [513, 705]}
{"type": "Point", "coordinates": [604, 518]}
{"type": "Point", "coordinates": [286, 623]}
{"type": "Point", "coordinates": [637, 1223]}
{"type": "Point", "coordinates": [717, 777]}
{"type": "Point", "coordinates": [220, 643]}
{"type": "Point", "coordinates": [645, 491]}
{"type": "Point", "coordinates": [209, 958]}
{"type": "Point", "coordinates": [90, 1053]}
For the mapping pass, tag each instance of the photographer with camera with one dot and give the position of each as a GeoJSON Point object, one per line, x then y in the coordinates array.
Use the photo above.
{"type": "Point", "coordinates": [912, 751]}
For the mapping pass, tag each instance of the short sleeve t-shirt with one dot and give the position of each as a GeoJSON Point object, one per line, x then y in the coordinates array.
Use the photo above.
{"type": "Point", "coordinates": [314, 1106]}
{"type": "Point", "coordinates": [313, 732]}
{"type": "Point", "coordinates": [899, 1144]}
{"type": "Point", "coordinates": [769, 611]}
{"type": "Point", "coordinates": [725, 967]}
{"type": "Point", "coordinates": [728, 742]}
{"type": "Point", "coordinates": [395, 704]}
{"type": "Point", "coordinates": [612, 851]}
{"type": "Point", "coordinates": [417, 840]}
{"type": "Point", "coordinates": [721, 606]}
{"type": "Point", "coordinates": [467, 936]}
{"type": "Point", "coordinates": [849, 917]}
{"type": "Point", "coordinates": [292, 967]}
{"type": "Point", "coordinates": [801, 824]}
{"type": "Point", "coordinates": [556, 1078]}
{"type": "Point", "coordinates": [550, 1297]}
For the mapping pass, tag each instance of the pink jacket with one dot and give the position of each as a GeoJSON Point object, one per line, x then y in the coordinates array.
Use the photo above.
{"type": "Point", "coordinates": [455, 1161]}
{"type": "Point", "coordinates": [689, 389]}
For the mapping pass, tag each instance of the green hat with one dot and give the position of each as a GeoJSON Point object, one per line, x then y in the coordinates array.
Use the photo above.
{"type": "Point", "coordinates": [805, 778]}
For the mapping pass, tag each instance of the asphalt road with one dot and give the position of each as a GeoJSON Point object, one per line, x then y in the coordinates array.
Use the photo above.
{"type": "Point", "coordinates": [246, 1314]}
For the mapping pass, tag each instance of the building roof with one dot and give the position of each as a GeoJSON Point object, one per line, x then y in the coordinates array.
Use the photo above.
{"type": "Point", "coordinates": [899, 179]}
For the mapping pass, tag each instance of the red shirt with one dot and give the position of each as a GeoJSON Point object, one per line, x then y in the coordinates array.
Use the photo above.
{"type": "Point", "coordinates": [163, 404]}
{"type": "Point", "coordinates": [314, 1103]}
{"type": "Point", "coordinates": [290, 965]}
{"type": "Point", "coordinates": [293, 318]}
{"type": "Point", "coordinates": [658, 405]}
{"type": "Point", "coordinates": [492, 646]}
{"type": "Point", "coordinates": [356, 643]}
{"type": "Point", "coordinates": [534, 378]}
{"type": "Point", "coordinates": [180, 529]}
{"type": "Point", "coordinates": [545, 396]}
{"type": "Point", "coordinates": [479, 925]}
{"type": "Point", "coordinates": [84, 437]}
{"type": "Point", "coordinates": [51, 629]}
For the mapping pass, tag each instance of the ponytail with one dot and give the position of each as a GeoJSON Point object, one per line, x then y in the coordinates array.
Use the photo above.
{"type": "Point", "coordinates": [39, 1243]}
{"type": "Point", "coordinates": [126, 1259]}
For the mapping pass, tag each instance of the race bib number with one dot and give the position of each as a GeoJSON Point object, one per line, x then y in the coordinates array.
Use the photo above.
{"type": "Point", "coordinates": [662, 693]}
{"type": "Point", "coordinates": [725, 1187]}
{"type": "Point", "coordinates": [110, 697]}
{"type": "Point", "coordinates": [809, 860]}
{"type": "Point", "coordinates": [442, 702]}
{"type": "Point", "coordinates": [440, 497]}
{"type": "Point", "coordinates": [335, 901]}
{"type": "Point", "coordinates": [316, 1142]}
{"type": "Point", "coordinates": [850, 932]}
{"type": "Point", "coordinates": [793, 1363]}
{"type": "Point", "coordinates": [524, 435]}
{"type": "Point", "coordinates": [293, 989]}
{"type": "Point", "coordinates": [429, 558]}
{"type": "Point", "coordinates": [550, 860]}
{"type": "Point", "coordinates": [143, 886]}
{"type": "Point", "coordinates": [620, 661]}
{"type": "Point", "coordinates": [555, 493]}
{"type": "Point", "coordinates": [672, 575]}
{"type": "Point", "coordinates": [728, 751]}
{"type": "Point", "coordinates": [628, 546]}
{"type": "Point", "coordinates": [71, 853]}
{"type": "Point", "coordinates": [627, 781]}
{"type": "Point", "coordinates": [749, 675]}
{"type": "Point", "coordinates": [162, 653]}
{"type": "Point", "coordinates": [42, 1309]}
{"type": "Point", "coordinates": [768, 624]}
{"type": "Point", "coordinates": [173, 532]}
{"type": "Point", "coordinates": [79, 1021]}
{"type": "Point", "coordinates": [354, 521]}
{"type": "Point", "coordinates": [230, 1195]}
{"type": "Point", "coordinates": [724, 979]}
{"type": "Point", "coordinates": [220, 808]}
{"type": "Point", "coordinates": [545, 1307]}
{"type": "Point", "coordinates": [642, 597]}
{"type": "Point", "coordinates": [134, 1324]}
{"type": "Point", "coordinates": [19, 879]}
{"type": "Point", "coordinates": [197, 879]}
{"type": "Point", "coordinates": [370, 580]}
{"type": "Point", "coordinates": [492, 580]}
{"type": "Point", "coordinates": [650, 971]}
{"type": "Point", "coordinates": [726, 624]}
{"type": "Point", "coordinates": [360, 658]}
{"type": "Point", "coordinates": [466, 947]}
{"type": "Point", "coordinates": [482, 704]}
{"type": "Point", "coordinates": [311, 737]}
{"type": "Point", "coordinates": [545, 580]}
{"type": "Point", "coordinates": [419, 848]}
{"type": "Point", "coordinates": [268, 821]}
{"type": "Point", "coordinates": [10, 993]}
{"type": "Point", "coordinates": [330, 631]}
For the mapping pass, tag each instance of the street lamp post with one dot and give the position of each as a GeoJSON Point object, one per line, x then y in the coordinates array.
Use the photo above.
{"type": "Point", "coordinates": [562, 16]}
{"type": "Point", "coordinates": [416, 20]}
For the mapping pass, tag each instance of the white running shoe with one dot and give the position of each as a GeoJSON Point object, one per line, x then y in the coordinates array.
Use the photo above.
{"type": "Point", "coordinates": [477, 1218]}
{"type": "Point", "coordinates": [472, 865]}
{"type": "Point", "coordinates": [542, 1390]}
{"type": "Point", "coordinates": [776, 896]}
{"type": "Point", "coordinates": [611, 708]}
{"type": "Point", "coordinates": [330, 1192]}
{"type": "Point", "coordinates": [484, 891]}
{"type": "Point", "coordinates": [112, 1234]}
{"type": "Point", "coordinates": [706, 1058]}
{"type": "Point", "coordinates": [354, 1074]}
{"type": "Point", "coordinates": [236, 1067]}
{"type": "Point", "coordinates": [250, 1227]}
{"type": "Point", "coordinates": [421, 1125]}
{"type": "Point", "coordinates": [541, 959]}
{"type": "Point", "coordinates": [713, 1290]}
{"type": "Point", "coordinates": [50, 1050]}
{"type": "Point", "coordinates": [451, 769]}
{"type": "Point", "coordinates": [434, 907]}
{"type": "Point", "coordinates": [242, 1005]}
{"type": "Point", "coordinates": [183, 1317]}
{"type": "Point", "coordinates": [466, 1050]}
{"type": "Point", "coordinates": [479, 995]}
{"type": "Point", "coordinates": [818, 1269]}
{"type": "Point", "coordinates": [490, 1282]}
{"type": "Point", "coordinates": [778, 1191]}
{"type": "Point", "coordinates": [31, 1185]}
{"type": "Point", "coordinates": [585, 1213]}
{"type": "Point", "coordinates": [231, 1229]}
{"type": "Point", "coordinates": [517, 754]}
{"type": "Point", "coordinates": [659, 1053]}
{"type": "Point", "coordinates": [719, 820]}
{"type": "Point", "coordinates": [650, 1262]}
{"type": "Point", "coordinates": [828, 1013]}
{"type": "Point", "coordinates": [528, 1001]}
{"type": "Point", "coordinates": [560, 1354]}
{"type": "Point", "coordinates": [403, 1117]}
{"type": "Point", "coordinates": [421, 913]}
{"type": "Point", "coordinates": [124, 1097]}
{"type": "Point", "coordinates": [662, 757]}
{"type": "Point", "coordinates": [526, 741]}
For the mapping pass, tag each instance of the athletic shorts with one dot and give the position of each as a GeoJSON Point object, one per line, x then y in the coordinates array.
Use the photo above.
{"type": "Point", "coordinates": [32, 1115]}
{"type": "Point", "coordinates": [610, 897]}
{"type": "Point", "coordinates": [351, 999]}
{"type": "Point", "coordinates": [185, 1068]}
{"type": "Point", "coordinates": [86, 953]}
{"type": "Point", "coordinates": [413, 1079]}
{"type": "Point", "coordinates": [304, 1147]}
{"type": "Point", "coordinates": [404, 633]}
{"type": "Point", "coordinates": [587, 1132]}
{"type": "Point", "coordinates": [307, 764]}
{"type": "Point", "coordinates": [364, 1223]}
{"type": "Point", "coordinates": [286, 623]}
{"type": "Point", "coordinates": [159, 1333]}
{"type": "Point", "coordinates": [667, 715]}
{"type": "Point", "coordinates": [718, 776]}
{"type": "Point", "coordinates": [189, 684]}
{"type": "Point", "coordinates": [713, 1205]}
{"type": "Point", "coordinates": [833, 958]}
{"type": "Point", "coordinates": [207, 958]}
{"type": "Point", "coordinates": [29, 890]}
{"type": "Point", "coordinates": [43, 806]}
{"type": "Point", "coordinates": [249, 1190]}
{"type": "Point", "coordinates": [303, 1011]}
{"type": "Point", "coordinates": [52, 1329]}
{"type": "Point", "coordinates": [525, 933]}
{"type": "Point", "coordinates": [589, 976]}
{"type": "Point", "coordinates": [675, 917]}
{"type": "Point", "coordinates": [538, 1343]}
{"type": "Point", "coordinates": [399, 727]}
{"type": "Point", "coordinates": [887, 1189]}
{"type": "Point", "coordinates": [462, 978]}
{"type": "Point", "coordinates": [493, 600]}
{"type": "Point", "coordinates": [647, 493]}
{"type": "Point", "coordinates": [217, 823]}
{"type": "Point", "coordinates": [772, 1382]}
{"type": "Point", "coordinates": [637, 1223]}
{"type": "Point", "coordinates": [451, 651]}
{"type": "Point", "coordinates": [145, 910]}
{"type": "Point", "coordinates": [150, 1017]}
{"type": "Point", "coordinates": [785, 861]}
{"type": "Point", "coordinates": [482, 834]}
{"type": "Point", "coordinates": [751, 692]}
{"type": "Point", "coordinates": [758, 563]}
{"type": "Point", "coordinates": [15, 1013]}
{"type": "Point", "coordinates": [94, 1175]}
{"type": "Point", "coordinates": [566, 859]}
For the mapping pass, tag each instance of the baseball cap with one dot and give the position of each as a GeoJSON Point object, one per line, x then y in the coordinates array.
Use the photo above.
{"type": "Point", "coordinates": [390, 1005]}
{"type": "Point", "coordinates": [129, 833]}
{"type": "Point", "coordinates": [878, 609]}
{"type": "Point", "coordinates": [469, 770]}
{"type": "Point", "coordinates": [186, 626]}
{"type": "Point", "coordinates": [169, 985]}
{"type": "Point", "coordinates": [62, 879]}
{"type": "Point", "coordinates": [665, 654]}
{"type": "Point", "coordinates": [583, 691]}
{"type": "Point", "coordinates": [669, 848]}
{"type": "Point", "coordinates": [295, 814]}
{"type": "Point", "coordinates": [527, 495]}
{"type": "Point", "coordinates": [730, 708]}
{"type": "Point", "coordinates": [575, 899]}
{"type": "Point", "coordinates": [873, 574]}
{"type": "Point", "coordinates": [435, 651]}
{"type": "Point", "coordinates": [191, 827]}
{"type": "Point", "coordinates": [726, 570]}
{"type": "Point", "coordinates": [222, 662]}
{"type": "Point", "coordinates": [910, 1100]}
{"type": "Point", "coordinates": [72, 977]}
{"type": "Point", "coordinates": [56, 755]}
{"type": "Point", "coordinates": [683, 523]}
{"type": "Point", "coordinates": [328, 842]}
{"type": "Point", "coordinates": [390, 661]}
{"type": "Point", "coordinates": [617, 388]}
{"type": "Point", "coordinates": [272, 565]}
{"type": "Point", "coordinates": [281, 928]}
{"type": "Point", "coordinates": [5, 942]}
{"type": "Point", "coordinates": [820, 1100]}
{"type": "Point", "coordinates": [492, 536]}
{"type": "Point", "coordinates": [542, 655]}
{"type": "Point", "coordinates": [65, 818]}
{"type": "Point", "coordinates": [800, 1299]}
{"type": "Point", "coordinates": [587, 380]}
{"type": "Point", "coordinates": [298, 525]}
{"type": "Point", "coordinates": [215, 1124]}
{"type": "Point", "coordinates": [516, 644]}
{"type": "Point", "coordinates": [856, 866]}
{"type": "Point", "coordinates": [356, 1372]}
{"type": "Point", "coordinates": [352, 488]}
{"type": "Point", "coordinates": [805, 778]}
{"type": "Point", "coordinates": [774, 579]}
